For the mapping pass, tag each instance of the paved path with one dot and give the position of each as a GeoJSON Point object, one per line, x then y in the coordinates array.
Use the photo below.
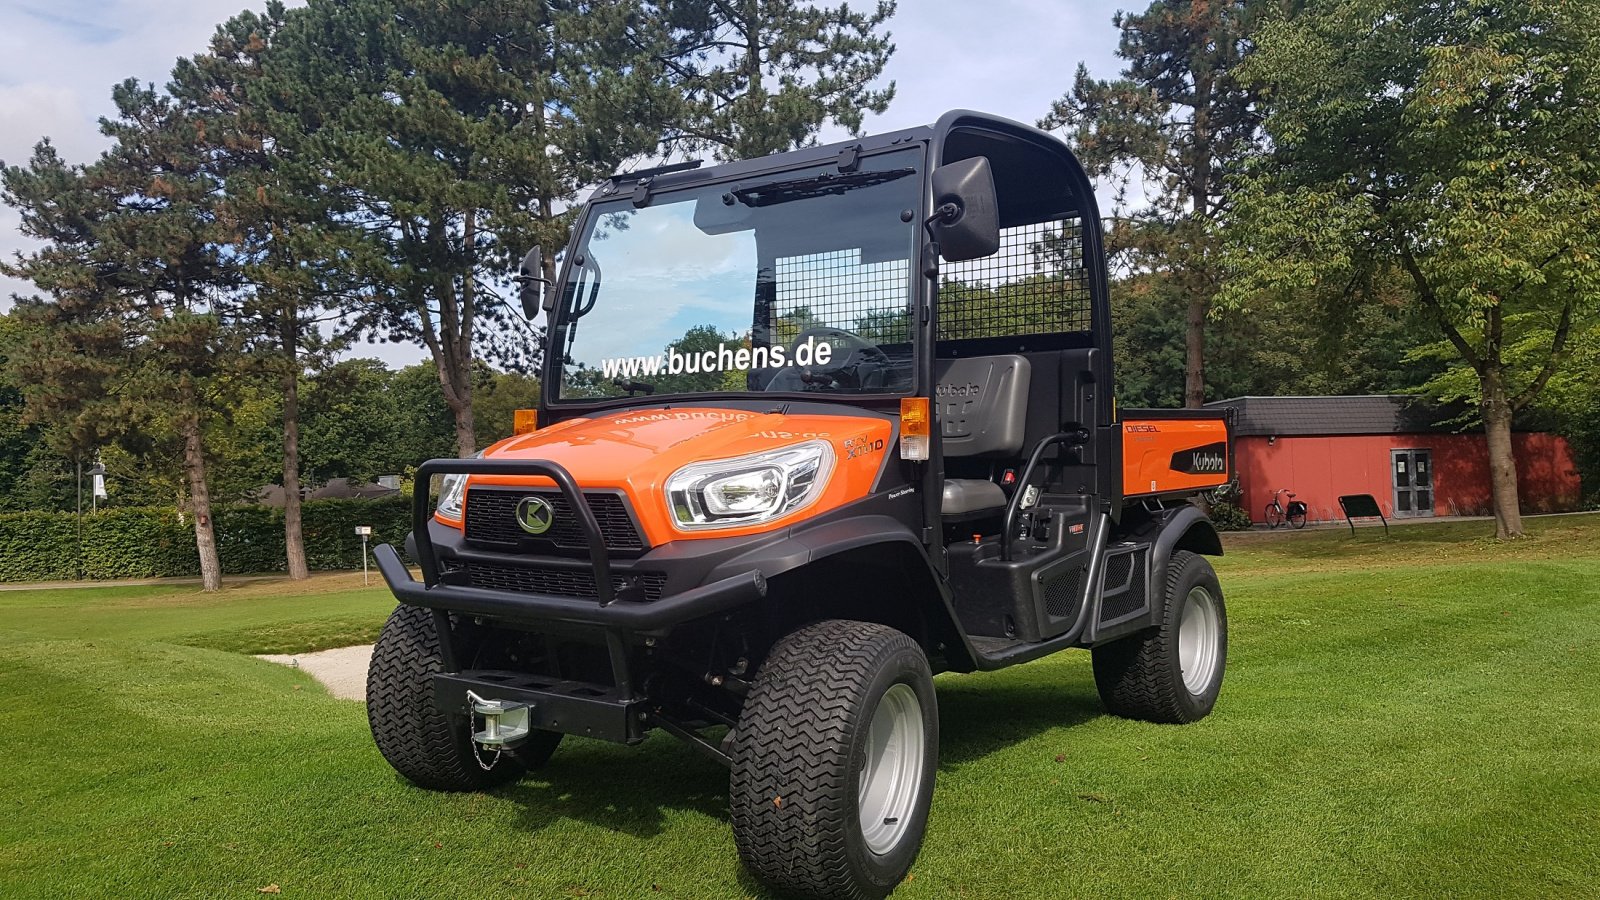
{"type": "Point", "coordinates": [342, 671]}
{"type": "Point", "coordinates": [1326, 524]}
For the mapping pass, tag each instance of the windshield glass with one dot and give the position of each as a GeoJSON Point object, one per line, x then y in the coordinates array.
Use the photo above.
{"type": "Point", "coordinates": [798, 281]}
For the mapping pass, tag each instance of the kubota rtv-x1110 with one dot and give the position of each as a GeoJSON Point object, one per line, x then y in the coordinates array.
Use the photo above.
{"type": "Point", "coordinates": [814, 427]}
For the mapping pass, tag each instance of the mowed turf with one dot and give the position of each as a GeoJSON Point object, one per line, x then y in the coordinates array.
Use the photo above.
{"type": "Point", "coordinates": [1417, 716]}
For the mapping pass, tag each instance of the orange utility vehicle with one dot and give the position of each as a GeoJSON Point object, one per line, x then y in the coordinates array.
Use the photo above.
{"type": "Point", "coordinates": [815, 427]}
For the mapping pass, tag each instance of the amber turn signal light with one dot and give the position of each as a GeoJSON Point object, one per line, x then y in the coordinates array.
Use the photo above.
{"type": "Point", "coordinates": [525, 421]}
{"type": "Point", "coordinates": [915, 425]}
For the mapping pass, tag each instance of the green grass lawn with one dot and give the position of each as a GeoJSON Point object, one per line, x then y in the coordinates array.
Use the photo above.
{"type": "Point", "coordinates": [1416, 716]}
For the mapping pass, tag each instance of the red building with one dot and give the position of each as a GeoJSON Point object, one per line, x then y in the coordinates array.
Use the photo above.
{"type": "Point", "coordinates": [1391, 447]}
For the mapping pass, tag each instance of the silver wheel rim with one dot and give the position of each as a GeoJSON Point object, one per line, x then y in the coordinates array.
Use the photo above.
{"type": "Point", "coordinates": [892, 770]}
{"type": "Point", "coordinates": [1199, 634]}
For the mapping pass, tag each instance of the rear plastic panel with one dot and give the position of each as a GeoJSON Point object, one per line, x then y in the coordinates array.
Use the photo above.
{"type": "Point", "coordinates": [1174, 452]}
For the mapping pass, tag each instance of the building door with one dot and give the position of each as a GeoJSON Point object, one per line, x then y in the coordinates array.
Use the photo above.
{"type": "Point", "coordinates": [1413, 482]}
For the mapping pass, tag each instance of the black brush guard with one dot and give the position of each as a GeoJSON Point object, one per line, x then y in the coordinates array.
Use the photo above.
{"type": "Point", "coordinates": [607, 612]}
{"type": "Point", "coordinates": [615, 712]}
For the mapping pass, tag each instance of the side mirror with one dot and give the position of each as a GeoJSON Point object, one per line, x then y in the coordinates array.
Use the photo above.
{"type": "Point", "coordinates": [966, 221]}
{"type": "Point", "coordinates": [530, 276]}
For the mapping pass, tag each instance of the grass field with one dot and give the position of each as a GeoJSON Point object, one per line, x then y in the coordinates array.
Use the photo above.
{"type": "Point", "coordinates": [1417, 716]}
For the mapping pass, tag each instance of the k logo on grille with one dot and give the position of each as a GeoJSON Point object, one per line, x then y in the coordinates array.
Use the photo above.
{"type": "Point", "coordinates": [535, 515]}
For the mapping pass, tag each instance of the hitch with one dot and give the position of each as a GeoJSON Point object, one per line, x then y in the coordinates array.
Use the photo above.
{"type": "Point", "coordinates": [505, 723]}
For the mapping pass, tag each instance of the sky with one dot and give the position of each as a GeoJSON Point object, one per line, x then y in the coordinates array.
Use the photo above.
{"type": "Point", "coordinates": [60, 58]}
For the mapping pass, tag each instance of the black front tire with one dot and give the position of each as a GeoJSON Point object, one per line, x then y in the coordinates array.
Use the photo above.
{"type": "Point", "coordinates": [429, 746]}
{"type": "Point", "coordinates": [1142, 676]}
{"type": "Point", "coordinates": [800, 752]}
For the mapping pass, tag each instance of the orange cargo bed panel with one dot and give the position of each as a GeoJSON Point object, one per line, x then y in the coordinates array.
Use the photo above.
{"type": "Point", "coordinates": [1184, 454]}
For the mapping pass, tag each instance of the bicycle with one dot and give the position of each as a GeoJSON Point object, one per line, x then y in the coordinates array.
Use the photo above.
{"type": "Point", "coordinates": [1277, 514]}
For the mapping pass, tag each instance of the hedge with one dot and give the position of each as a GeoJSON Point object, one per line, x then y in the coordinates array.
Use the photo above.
{"type": "Point", "coordinates": [150, 542]}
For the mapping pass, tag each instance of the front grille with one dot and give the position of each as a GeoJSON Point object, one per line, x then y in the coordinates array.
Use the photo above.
{"type": "Point", "coordinates": [560, 582]}
{"type": "Point", "coordinates": [492, 521]}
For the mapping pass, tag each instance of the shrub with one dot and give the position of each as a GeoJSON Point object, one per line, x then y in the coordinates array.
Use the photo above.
{"type": "Point", "coordinates": [1228, 516]}
{"type": "Point", "coordinates": [151, 542]}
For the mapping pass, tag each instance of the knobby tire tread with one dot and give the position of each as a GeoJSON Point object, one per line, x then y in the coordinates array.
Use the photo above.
{"type": "Point", "coordinates": [1138, 676]}
{"type": "Point", "coordinates": [790, 780]}
{"type": "Point", "coordinates": [418, 738]}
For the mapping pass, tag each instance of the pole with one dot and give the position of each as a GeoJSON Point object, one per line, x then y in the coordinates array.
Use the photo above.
{"type": "Point", "coordinates": [364, 581]}
{"type": "Point", "coordinates": [79, 464]}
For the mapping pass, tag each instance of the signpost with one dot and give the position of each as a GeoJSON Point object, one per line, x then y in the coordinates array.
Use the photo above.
{"type": "Point", "coordinates": [1362, 506]}
{"type": "Point", "coordinates": [366, 535]}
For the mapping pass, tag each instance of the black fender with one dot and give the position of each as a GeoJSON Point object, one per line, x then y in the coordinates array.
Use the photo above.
{"type": "Point", "coordinates": [1182, 528]}
{"type": "Point", "coordinates": [879, 537]}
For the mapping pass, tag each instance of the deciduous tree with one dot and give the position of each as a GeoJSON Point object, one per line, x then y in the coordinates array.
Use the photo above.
{"type": "Point", "coordinates": [1450, 144]}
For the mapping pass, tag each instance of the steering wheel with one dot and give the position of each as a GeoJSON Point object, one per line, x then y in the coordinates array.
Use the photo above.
{"type": "Point", "coordinates": [841, 368]}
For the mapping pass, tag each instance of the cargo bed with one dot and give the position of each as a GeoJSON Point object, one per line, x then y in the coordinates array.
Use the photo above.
{"type": "Point", "coordinates": [1175, 452]}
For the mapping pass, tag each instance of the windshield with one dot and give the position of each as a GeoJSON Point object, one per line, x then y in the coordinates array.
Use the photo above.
{"type": "Point", "coordinates": [798, 282]}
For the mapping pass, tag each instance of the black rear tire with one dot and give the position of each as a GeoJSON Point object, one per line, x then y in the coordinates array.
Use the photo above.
{"type": "Point", "coordinates": [1297, 519]}
{"type": "Point", "coordinates": [432, 748]}
{"type": "Point", "coordinates": [1142, 676]}
{"type": "Point", "coordinates": [800, 754]}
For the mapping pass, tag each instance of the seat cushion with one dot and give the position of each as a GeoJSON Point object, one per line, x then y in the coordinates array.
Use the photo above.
{"type": "Point", "coordinates": [965, 497]}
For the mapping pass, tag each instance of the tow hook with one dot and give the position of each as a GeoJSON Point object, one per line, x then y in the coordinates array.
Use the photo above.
{"type": "Point", "coordinates": [505, 724]}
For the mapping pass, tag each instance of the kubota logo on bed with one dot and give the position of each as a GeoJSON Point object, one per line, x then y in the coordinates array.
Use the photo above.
{"type": "Point", "coordinates": [1210, 459]}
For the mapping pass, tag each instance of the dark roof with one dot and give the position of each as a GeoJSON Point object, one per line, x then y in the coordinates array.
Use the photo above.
{"type": "Point", "coordinates": [1361, 414]}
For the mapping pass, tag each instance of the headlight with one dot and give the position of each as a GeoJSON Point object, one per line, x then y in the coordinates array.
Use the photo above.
{"type": "Point", "coordinates": [749, 490]}
{"type": "Point", "coordinates": [452, 492]}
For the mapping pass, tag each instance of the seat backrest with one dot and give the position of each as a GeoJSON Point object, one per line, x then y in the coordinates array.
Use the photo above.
{"type": "Point", "coordinates": [983, 404]}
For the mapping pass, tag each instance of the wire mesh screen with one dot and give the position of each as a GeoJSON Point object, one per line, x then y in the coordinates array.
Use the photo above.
{"type": "Point", "coordinates": [1035, 284]}
{"type": "Point", "coordinates": [836, 289]}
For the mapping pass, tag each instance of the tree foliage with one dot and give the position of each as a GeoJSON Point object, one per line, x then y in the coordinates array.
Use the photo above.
{"type": "Point", "coordinates": [761, 76]}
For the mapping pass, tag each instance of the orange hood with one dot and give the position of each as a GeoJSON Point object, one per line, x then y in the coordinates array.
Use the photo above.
{"type": "Point", "coordinates": [637, 451]}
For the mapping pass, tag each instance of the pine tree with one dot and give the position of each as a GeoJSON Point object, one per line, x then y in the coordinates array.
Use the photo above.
{"type": "Point", "coordinates": [1176, 123]}
{"type": "Point", "coordinates": [761, 76]}
{"type": "Point", "coordinates": [450, 132]}
{"type": "Point", "coordinates": [277, 221]}
{"type": "Point", "coordinates": [128, 345]}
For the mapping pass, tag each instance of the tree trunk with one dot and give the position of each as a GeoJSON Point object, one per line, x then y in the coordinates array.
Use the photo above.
{"type": "Point", "coordinates": [1502, 459]}
{"type": "Point", "coordinates": [466, 435]}
{"type": "Point", "coordinates": [461, 358]}
{"type": "Point", "coordinates": [194, 468]}
{"type": "Point", "coordinates": [293, 540]}
{"type": "Point", "coordinates": [455, 380]}
{"type": "Point", "coordinates": [1199, 163]}
{"type": "Point", "coordinates": [1194, 343]}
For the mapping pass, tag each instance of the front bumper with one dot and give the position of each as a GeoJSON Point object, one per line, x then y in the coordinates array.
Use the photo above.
{"type": "Point", "coordinates": [630, 615]}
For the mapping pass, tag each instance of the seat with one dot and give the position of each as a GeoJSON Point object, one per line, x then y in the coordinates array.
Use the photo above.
{"type": "Point", "coordinates": [971, 498]}
{"type": "Point", "coordinates": [983, 409]}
